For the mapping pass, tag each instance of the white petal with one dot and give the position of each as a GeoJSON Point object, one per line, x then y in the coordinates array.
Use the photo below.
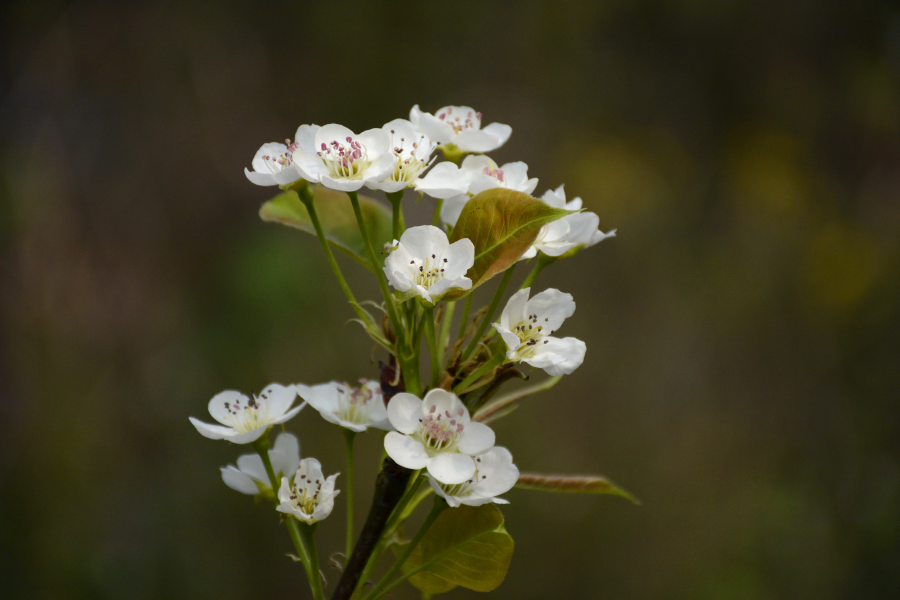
{"type": "Point", "coordinates": [309, 166]}
{"type": "Point", "coordinates": [514, 311]}
{"type": "Point", "coordinates": [240, 482]}
{"type": "Point", "coordinates": [499, 131]}
{"type": "Point", "coordinates": [444, 180]}
{"type": "Point", "coordinates": [529, 186]}
{"type": "Point", "coordinates": [442, 402]}
{"type": "Point", "coordinates": [278, 398]}
{"type": "Point", "coordinates": [331, 133]}
{"type": "Point", "coordinates": [306, 138]}
{"type": "Point", "coordinates": [213, 432]}
{"type": "Point", "coordinates": [599, 236]}
{"type": "Point", "coordinates": [555, 198]}
{"type": "Point", "coordinates": [515, 175]}
{"type": "Point", "coordinates": [472, 140]}
{"type": "Point", "coordinates": [425, 240]}
{"type": "Point", "coordinates": [380, 169]}
{"type": "Point", "coordinates": [377, 142]}
{"type": "Point", "coordinates": [453, 208]}
{"type": "Point", "coordinates": [399, 281]}
{"type": "Point", "coordinates": [288, 175]}
{"type": "Point", "coordinates": [552, 307]}
{"type": "Point", "coordinates": [529, 254]}
{"type": "Point", "coordinates": [405, 451]}
{"type": "Point", "coordinates": [289, 415]}
{"type": "Point", "coordinates": [481, 182]}
{"type": "Point", "coordinates": [249, 436]}
{"type": "Point", "coordinates": [285, 454]}
{"type": "Point", "coordinates": [476, 438]}
{"type": "Point", "coordinates": [252, 465]}
{"type": "Point", "coordinates": [404, 411]}
{"type": "Point", "coordinates": [452, 501]}
{"type": "Point", "coordinates": [582, 227]}
{"type": "Point", "coordinates": [460, 258]}
{"type": "Point", "coordinates": [387, 185]}
{"type": "Point", "coordinates": [217, 407]}
{"type": "Point", "coordinates": [511, 340]}
{"type": "Point", "coordinates": [568, 355]}
{"type": "Point", "coordinates": [499, 472]}
{"type": "Point", "coordinates": [451, 468]}
{"type": "Point", "coordinates": [342, 185]}
{"type": "Point", "coordinates": [437, 130]}
{"type": "Point", "coordinates": [258, 178]}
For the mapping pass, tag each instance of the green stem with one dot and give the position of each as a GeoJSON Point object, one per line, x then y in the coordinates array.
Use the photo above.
{"type": "Point", "coordinates": [479, 372]}
{"type": "Point", "coordinates": [465, 317]}
{"type": "Point", "coordinates": [306, 534]}
{"type": "Point", "coordinates": [432, 346]}
{"type": "Point", "coordinates": [449, 307]}
{"type": "Point", "coordinates": [261, 446]}
{"type": "Point", "coordinates": [379, 274]}
{"type": "Point", "coordinates": [348, 440]}
{"type": "Point", "coordinates": [396, 199]}
{"type": "Point", "coordinates": [489, 315]}
{"type": "Point", "coordinates": [436, 219]}
{"type": "Point", "coordinates": [306, 197]}
{"type": "Point", "coordinates": [439, 505]}
{"type": "Point", "coordinates": [542, 261]}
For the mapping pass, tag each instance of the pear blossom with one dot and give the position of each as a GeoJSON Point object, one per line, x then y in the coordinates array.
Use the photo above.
{"type": "Point", "coordinates": [310, 497]}
{"type": "Point", "coordinates": [353, 408]}
{"type": "Point", "coordinates": [274, 163]}
{"type": "Point", "coordinates": [244, 420]}
{"type": "Point", "coordinates": [425, 264]}
{"type": "Point", "coordinates": [485, 175]}
{"type": "Point", "coordinates": [461, 127]}
{"type": "Point", "coordinates": [495, 474]}
{"type": "Point", "coordinates": [583, 226]}
{"type": "Point", "coordinates": [341, 160]}
{"type": "Point", "coordinates": [436, 434]}
{"type": "Point", "coordinates": [250, 477]}
{"type": "Point", "coordinates": [526, 327]}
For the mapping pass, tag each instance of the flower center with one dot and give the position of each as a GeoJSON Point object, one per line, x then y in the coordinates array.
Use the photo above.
{"type": "Point", "coordinates": [495, 173]}
{"type": "Point", "coordinates": [305, 493]}
{"type": "Point", "coordinates": [428, 271]}
{"type": "Point", "coordinates": [355, 404]}
{"type": "Point", "coordinates": [460, 124]}
{"type": "Point", "coordinates": [408, 168]}
{"type": "Point", "coordinates": [344, 160]}
{"type": "Point", "coordinates": [279, 162]}
{"type": "Point", "coordinates": [440, 432]}
{"type": "Point", "coordinates": [531, 333]}
{"type": "Point", "coordinates": [245, 418]}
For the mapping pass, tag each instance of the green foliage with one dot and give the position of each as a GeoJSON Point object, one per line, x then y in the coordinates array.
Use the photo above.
{"type": "Point", "coordinates": [572, 484]}
{"type": "Point", "coordinates": [336, 215]}
{"type": "Point", "coordinates": [466, 546]}
{"type": "Point", "coordinates": [502, 224]}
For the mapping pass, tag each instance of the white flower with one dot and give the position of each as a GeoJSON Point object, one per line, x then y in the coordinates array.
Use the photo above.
{"type": "Point", "coordinates": [427, 265]}
{"type": "Point", "coordinates": [460, 126]}
{"type": "Point", "coordinates": [244, 420]}
{"type": "Point", "coordinates": [436, 433]}
{"type": "Point", "coordinates": [250, 477]}
{"type": "Point", "coordinates": [341, 160]}
{"type": "Point", "coordinates": [525, 325]}
{"type": "Point", "coordinates": [354, 408]}
{"type": "Point", "coordinates": [485, 175]}
{"type": "Point", "coordinates": [495, 474]}
{"type": "Point", "coordinates": [310, 497]}
{"type": "Point", "coordinates": [552, 239]}
{"type": "Point", "coordinates": [273, 163]}
{"type": "Point", "coordinates": [583, 227]}
{"type": "Point", "coordinates": [445, 180]}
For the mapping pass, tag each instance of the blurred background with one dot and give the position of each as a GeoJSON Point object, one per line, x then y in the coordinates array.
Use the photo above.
{"type": "Point", "coordinates": [743, 357]}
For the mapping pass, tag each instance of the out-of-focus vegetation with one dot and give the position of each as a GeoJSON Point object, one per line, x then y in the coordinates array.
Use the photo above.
{"type": "Point", "coordinates": [743, 356]}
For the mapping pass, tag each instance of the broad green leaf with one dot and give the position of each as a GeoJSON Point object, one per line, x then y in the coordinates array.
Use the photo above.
{"type": "Point", "coordinates": [466, 546]}
{"type": "Point", "coordinates": [572, 484]}
{"type": "Point", "coordinates": [502, 225]}
{"type": "Point", "coordinates": [336, 216]}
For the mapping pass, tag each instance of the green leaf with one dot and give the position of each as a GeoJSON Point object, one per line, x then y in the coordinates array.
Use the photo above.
{"type": "Point", "coordinates": [502, 225]}
{"type": "Point", "coordinates": [466, 546]}
{"type": "Point", "coordinates": [572, 484]}
{"type": "Point", "coordinates": [336, 216]}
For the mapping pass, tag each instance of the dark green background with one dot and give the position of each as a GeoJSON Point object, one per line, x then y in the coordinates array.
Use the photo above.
{"type": "Point", "coordinates": [742, 329]}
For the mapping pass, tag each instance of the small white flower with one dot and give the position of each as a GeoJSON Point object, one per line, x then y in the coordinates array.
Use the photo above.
{"type": "Point", "coordinates": [274, 163]}
{"type": "Point", "coordinates": [341, 160]}
{"type": "Point", "coordinates": [486, 175]}
{"type": "Point", "coordinates": [250, 477]}
{"type": "Point", "coordinates": [495, 474]}
{"type": "Point", "coordinates": [460, 126]}
{"type": "Point", "coordinates": [310, 497]}
{"type": "Point", "coordinates": [244, 420]}
{"type": "Point", "coordinates": [412, 155]}
{"type": "Point", "coordinates": [427, 265]}
{"type": "Point", "coordinates": [436, 434]}
{"type": "Point", "coordinates": [525, 326]}
{"type": "Point", "coordinates": [354, 408]}
{"type": "Point", "coordinates": [583, 227]}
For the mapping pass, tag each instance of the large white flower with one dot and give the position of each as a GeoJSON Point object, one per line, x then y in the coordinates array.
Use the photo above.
{"type": "Point", "coordinates": [460, 126]}
{"type": "Point", "coordinates": [424, 263]}
{"type": "Point", "coordinates": [244, 420]}
{"type": "Point", "coordinates": [250, 477]}
{"type": "Point", "coordinates": [310, 497]}
{"type": "Point", "coordinates": [485, 175]}
{"type": "Point", "coordinates": [495, 474]}
{"type": "Point", "coordinates": [354, 408]}
{"type": "Point", "coordinates": [436, 434]}
{"type": "Point", "coordinates": [525, 326]}
{"type": "Point", "coordinates": [341, 160]}
{"type": "Point", "coordinates": [273, 163]}
{"type": "Point", "coordinates": [583, 226]}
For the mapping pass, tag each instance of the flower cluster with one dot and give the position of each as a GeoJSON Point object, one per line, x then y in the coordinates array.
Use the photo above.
{"type": "Point", "coordinates": [433, 429]}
